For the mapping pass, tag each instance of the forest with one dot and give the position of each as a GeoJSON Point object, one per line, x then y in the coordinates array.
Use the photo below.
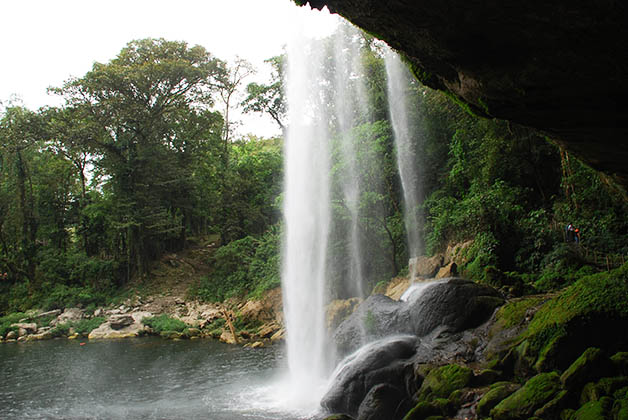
{"type": "Point", "coordinates": [142, 160]}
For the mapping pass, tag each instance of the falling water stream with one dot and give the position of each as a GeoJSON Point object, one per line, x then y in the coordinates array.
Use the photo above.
{"type": "Point", "coordinates": [398, 78]}
{"type": "Point", "coordinates": [315, 113]}
{"type": "Point", "coordinates": [307, 222]}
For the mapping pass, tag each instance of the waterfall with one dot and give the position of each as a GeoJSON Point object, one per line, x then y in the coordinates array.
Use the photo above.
{"type": "Point", "coordinates": [320, 103]}
{"type": "Point", "coordinates": [349, 107]}
{"type": "Point", "coordinates": [398, 81]}
{"type": "Point", "coordinates": [326, 100]}
{"type": "Point", "coordinates": [307, 220]}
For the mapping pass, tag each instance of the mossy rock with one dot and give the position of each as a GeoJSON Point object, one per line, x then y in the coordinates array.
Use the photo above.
{"type": "Point", "coordinates": [442, 381]}
{"type": "Point", "coordinates": [422, 411]}
{"type": "Point", "coordinates": [612, 384]}
{"type": "Point", "coordinates": [620, 409]}
{"type": "Point", "coordinates": [533, 395]}
{"type": "Point", "coordinates": [590, 365]}
{"type": "Point", "coordinates": [579, 318]}
{"type": "Point", "coordinates": [594, 410]}
{"type": "Point", "coordinates": [486, 377]}
{"type": "Point", "coordinates": [552, 409]}
{"type": "Point", "coordinates": [567, 414]}
{"type": "Point", "coordinates": [619, 362]}
{"type": "Point", "coordinates": [339, 417]}
{"type": "Point", "coordinates": [590, 392]}
{"type": "Point", "coordinates": [496, 393]}
{"type": "Point", "coordinates": [171, 335]}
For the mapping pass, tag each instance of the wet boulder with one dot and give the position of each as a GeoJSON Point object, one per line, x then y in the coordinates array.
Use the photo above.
{"type": "Point", "coordinates": [384, 362]}
{"type": "Point", "coordinates": [453, 305]}
{"type": "Point", "coordinates": [534, 394]}
{"type": "Point", "coordinates": [375, 318]}
{"type": "Point", "coordinates": [456, 303]}
{"type": "Point", "coordinates": [384, 402]}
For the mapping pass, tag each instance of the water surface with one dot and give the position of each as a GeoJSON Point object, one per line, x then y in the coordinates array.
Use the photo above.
{"type": "Point", "coordinates": [141, 379]}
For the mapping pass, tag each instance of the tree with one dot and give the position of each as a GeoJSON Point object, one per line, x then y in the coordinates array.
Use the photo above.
{"type": "Point", "coordinates": [268, 98]}
{"type": "Point", "coordinates": [152, 105]}
{"type": "Point", "coordinates": [20, 134]}
{"type": "Point", "coordinates": [228, 85]}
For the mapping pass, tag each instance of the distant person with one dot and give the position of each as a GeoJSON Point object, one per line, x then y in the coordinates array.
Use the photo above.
{"type": "Point", "coordinates": [569, 233]}
{"type": "Point", "coordinates": [576, 236]}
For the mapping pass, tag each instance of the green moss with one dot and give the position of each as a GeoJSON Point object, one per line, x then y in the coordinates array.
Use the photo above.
{"type": "Point", "coordinates": [60, 330]}
{"type": "Point", "coordinates": [531, 396]}
{"type": "Point", "coordinates": [585, 368]}
{"type": "Point", "coordinates": [494, 396]}
{"type": "Point", "coordinates": [339, 417]}
{"type": "Point", "coordinates": [609, 385]}
{"type": "Point", "coordinates": [620, 409]}
{"type": "Point", "coordinates": [552, 408]}
{"type": "Point", "coordinates": [442, 381]}
{"type": "Point", "coordinates": [619, 362]}
{"type": "Point", "coordinates": [562, 327]}
{"type": "Point", "coordinates": [512, 314]}
{"type": "Point", "coordinates": [594, 410]}
{"type": "Point", "coordinates": [603, 292]}
{"type": "Point", "coordinates": [422, 410]}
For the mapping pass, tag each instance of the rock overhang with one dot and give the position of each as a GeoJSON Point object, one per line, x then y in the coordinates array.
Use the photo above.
{"type": "Point", "coordinates": [558, 66]}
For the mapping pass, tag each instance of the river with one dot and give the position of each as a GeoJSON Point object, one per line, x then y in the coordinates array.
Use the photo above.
{"type": "Point", "coordinates": [143, 378]}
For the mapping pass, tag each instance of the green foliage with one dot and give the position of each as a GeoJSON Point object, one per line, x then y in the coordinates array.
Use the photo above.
{"type": "Point", "coordinates": [248, 266]}
{"type": "Point", "coordinates": [7, 320]}
{"type": "Point", "coordinates": [61, 330]}
{"type": "Point", "coordinates": [85, 326]}
{"type": "Point", "coordinates": [163, 322]}
{"type": "Point", "coordinates": [60, 296]}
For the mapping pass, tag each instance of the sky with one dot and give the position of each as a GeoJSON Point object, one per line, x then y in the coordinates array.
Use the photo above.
{"type": "Point", "coordinates": [45, 42]}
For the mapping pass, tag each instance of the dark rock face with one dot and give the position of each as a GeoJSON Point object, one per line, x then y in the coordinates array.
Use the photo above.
{"type": "Point", "coordinates": [383, 402]}
{"type": "Point", "coordinates": [379, 379]}
{"type": "Point", "coordinates": [384, 362]}
{"type": "Point", "coordinates": [453, 305]}
{"type": "Point", "coordinates": [558, 66]}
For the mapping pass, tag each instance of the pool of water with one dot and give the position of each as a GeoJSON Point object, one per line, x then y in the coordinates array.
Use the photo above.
{"type": "Point", "coordinates": [142, 379]}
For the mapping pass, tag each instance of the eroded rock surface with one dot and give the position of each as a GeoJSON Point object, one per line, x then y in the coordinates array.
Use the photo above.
{"type": "Point", "coordinates": [556, 65]}
{"type": "Point", "coordinates": [453, 305]}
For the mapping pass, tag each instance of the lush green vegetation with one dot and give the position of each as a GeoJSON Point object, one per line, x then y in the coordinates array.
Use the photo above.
{"type": "Point", "coordinates": [139, 161]}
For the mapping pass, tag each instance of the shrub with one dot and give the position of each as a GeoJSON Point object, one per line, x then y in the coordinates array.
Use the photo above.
{"type": "Point", "coordinates": [163, 323]}
{"type": "Point", "coordinates": [248, 266]}
{"type": "Point", "coordinates": [61, 296]}
{"type": "Point", "coordinates": [6, 321]}
{"type": "Point", "coordinates": [85, 326]}
{"type": "Point", "coordinates": [60, 330]}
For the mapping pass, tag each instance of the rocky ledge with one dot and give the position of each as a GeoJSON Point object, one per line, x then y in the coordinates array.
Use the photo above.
{"type": "Point", "coordinates": [555, 65]}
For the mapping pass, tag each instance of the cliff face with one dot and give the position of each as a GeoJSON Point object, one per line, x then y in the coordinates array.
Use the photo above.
{"type": "Point", "coordinates": [556, 65]}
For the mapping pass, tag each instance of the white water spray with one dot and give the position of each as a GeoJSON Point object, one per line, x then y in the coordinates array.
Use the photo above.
{"type": "Point", "coordinates": [398, 82]}
{"type": "Point", "coordinates": [349, 107]}
{"type": "Point", "coordinates": [307, 221]}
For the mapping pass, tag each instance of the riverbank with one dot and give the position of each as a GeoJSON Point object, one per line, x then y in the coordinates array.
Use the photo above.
{"type": "Point", "coordinates": [236, 321]}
